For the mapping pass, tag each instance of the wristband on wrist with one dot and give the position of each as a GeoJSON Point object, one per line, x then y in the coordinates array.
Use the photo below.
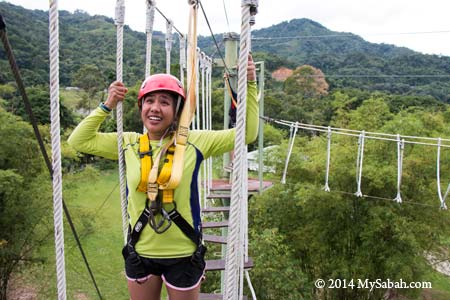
{"type": "Point", "coordinates": [104, 107]}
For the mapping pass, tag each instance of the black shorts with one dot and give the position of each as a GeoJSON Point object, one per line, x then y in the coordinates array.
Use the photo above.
{"type": "Point", "coordinates": [177, 273]}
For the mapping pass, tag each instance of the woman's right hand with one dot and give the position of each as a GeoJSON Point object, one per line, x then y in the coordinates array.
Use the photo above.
{"type": "Point", "coordinates": [116, 92]}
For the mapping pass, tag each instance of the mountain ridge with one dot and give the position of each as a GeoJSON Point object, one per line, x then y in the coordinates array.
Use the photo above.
{"type": "Point", "coordinates": [87, 39]}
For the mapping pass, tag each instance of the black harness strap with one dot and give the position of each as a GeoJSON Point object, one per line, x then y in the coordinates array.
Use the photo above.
{"type": "Point", "coordinates": [184, 226]}
{"type": "Point", "coordinates": [175, 216]}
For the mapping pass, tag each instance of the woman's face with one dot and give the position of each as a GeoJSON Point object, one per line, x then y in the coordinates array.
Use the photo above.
{"type": "Point", "coordinates": [158, 113]}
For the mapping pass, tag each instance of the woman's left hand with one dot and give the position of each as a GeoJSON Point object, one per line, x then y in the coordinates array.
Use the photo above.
{"type": "Point", "coordinates": [251, 69]}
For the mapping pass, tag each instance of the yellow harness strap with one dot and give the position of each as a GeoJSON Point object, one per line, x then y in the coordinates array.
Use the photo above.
{"type": "Point", "coordinates": [145, 153]}
{"type": "Point", "coordinates": [150, 181]}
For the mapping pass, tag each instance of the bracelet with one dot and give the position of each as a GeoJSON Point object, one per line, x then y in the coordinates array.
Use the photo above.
{"type": "Point", "coordinates": [104, 107]}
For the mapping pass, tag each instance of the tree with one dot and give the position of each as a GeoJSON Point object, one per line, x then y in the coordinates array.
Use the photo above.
{"type": "Point", "coordinates": [339, 236]}
{"type": "Point", "coordinates": [24, 196]}
{"type": "Point", "coordinates": [89, 78]}
{"type": "Point", "coordinates": [308, 82]}
{"type": "Point", "coordinates": [39, 97]}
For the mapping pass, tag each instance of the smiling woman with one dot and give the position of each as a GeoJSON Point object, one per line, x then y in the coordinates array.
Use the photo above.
{"type": "Point", "coordinates": [158, 251]}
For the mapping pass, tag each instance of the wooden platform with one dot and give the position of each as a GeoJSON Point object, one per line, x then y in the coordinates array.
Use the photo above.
{"type": "Point", "coordinates": [220, 185]}
{"type": "Point", "coordinates": [215, 239]}
{"type": "Point", "coordinates": [219, 264]}
{"type": "Point", "coordinates": [215, 224]}
{"type": "Point", "coordinates": [215, 209]}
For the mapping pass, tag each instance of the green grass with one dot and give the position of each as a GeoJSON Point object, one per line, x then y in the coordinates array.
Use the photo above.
{"type": "Point", "coordinates": [71, 98]}
{"type": "Point", "coordinates": [100, 232]}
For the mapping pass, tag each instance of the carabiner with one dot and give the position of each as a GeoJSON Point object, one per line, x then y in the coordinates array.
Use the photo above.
{"type": "Point", "coordinates": [157, 225]}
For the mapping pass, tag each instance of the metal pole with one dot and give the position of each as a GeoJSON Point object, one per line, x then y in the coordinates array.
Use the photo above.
{"type": "Point", "coordinates": [231, 57]}
{"type": "Point", "coordinates": [261, 127]}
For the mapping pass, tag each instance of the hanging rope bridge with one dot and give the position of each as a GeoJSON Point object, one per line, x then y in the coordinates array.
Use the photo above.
{"type": "Point", "coordinates": [400, 140]}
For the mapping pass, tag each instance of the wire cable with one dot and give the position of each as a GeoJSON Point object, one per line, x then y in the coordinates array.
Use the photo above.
{"type": "Point", "coordinates": [214, 38]}
{"type": "Point", "coordinates": [346, 35]}
{"type": "Point", "coordinates": [226, 15]}
{"type": "Point", "coordinates": [168, 20]}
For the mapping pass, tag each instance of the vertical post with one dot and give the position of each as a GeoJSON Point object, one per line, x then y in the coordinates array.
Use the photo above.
{"type": "Point", "coordinates": [261, 127]}
{"type": "Point", "coordinates": [231, 45]}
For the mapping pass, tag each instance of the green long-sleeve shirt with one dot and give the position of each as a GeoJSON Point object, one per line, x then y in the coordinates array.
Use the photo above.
{"type": "Point", "coordinates": [201, 145]}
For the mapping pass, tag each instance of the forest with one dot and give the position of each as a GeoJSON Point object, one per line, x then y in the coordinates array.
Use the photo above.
{"type": "Point", "coordinates": [298, 232]}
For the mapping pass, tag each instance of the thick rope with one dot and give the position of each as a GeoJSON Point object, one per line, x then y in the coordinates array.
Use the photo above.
{"type": "Point", "coordinates": [197, 90]}
{"type": "Point", "coordinates": [204, 125]}
{"type": "Point", "coordinates": [182, 40]}
{"type": "Point", "coordinates": [438, 177]}
{"type": "Point", "coordinates": [327, 187]}
{"type": "Point", "coordinates": [359, 163]}
{"type": "Point", "coordinates": [169, 27]}
{"type": "Point", "coordinates": [120, 16]}
{"type": "Point", "coordinates": [293, 133]}
{"type": "Point", "coordinates": [234, 265]}
{"type": "Point", "coordinates": [400, 151]}
{"type": "Point", "coordinates": [56, 148]}
{"type": "Point", "coordinates": [149, 34]}
{"type": "Point", "coordinates": [210, 119]}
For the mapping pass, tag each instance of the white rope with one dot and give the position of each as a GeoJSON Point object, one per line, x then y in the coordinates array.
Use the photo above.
{"type": "Point", "coordinates": [209, 89]}
{"type": "Point", "coordinates": [149, 34]}
{"type": "Point", "coordinates": [438, 177]}
{"type": "Point", "coordinates": [250, 285]}
{"type": "Point", "coordinates": [169, 27]}
{"type": "Point", "coordinates": [327, 187]}
{"type": "Point", "coordinates": [359, 163]}
{"type": "Point", "coordinates": [400, 151]}
{"type": "Point", "coordinates": [293, 133]}
{"type": "Point", "coordinates": [119, 21]}
{"type": "Point", "coordinates": [197, 95]}
{"type": "Point", "coordinates": [204, 125]}
{"type": "Point", "coordinates": [234, 258]}
{"type": "Point", "coordinates": [356, 133]}
{"type": "Point", "coordinates": [182, 40]}
{"type": "Point", "coordinates": [56, 148]}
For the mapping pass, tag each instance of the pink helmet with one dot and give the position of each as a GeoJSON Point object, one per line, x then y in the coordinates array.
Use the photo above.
{"type": "Point", "coordinates": [161, 82]}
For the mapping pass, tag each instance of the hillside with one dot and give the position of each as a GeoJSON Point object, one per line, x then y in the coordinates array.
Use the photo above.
{"type": "Point", "coordinates": [84, 39]}
{"type": "Point", "coordinates": [346, 59]}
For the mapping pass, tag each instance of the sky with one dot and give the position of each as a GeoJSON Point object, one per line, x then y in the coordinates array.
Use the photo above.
{"type": "Point", "coordinates": [423, 26]}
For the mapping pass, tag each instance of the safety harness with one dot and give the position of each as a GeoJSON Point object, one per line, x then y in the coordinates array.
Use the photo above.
{"type": "Point", "coordinates": [154, 206]}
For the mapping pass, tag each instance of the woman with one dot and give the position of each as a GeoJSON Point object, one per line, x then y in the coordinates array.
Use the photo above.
{"type": "Point", "coordinates": [167, 247]}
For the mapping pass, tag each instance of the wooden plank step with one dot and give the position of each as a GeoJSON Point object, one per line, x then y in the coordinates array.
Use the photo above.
{"type": "Point", "coordinates": [218, 196]}
{"type": "Point", "coordinates": [204, 296]}
{"type": "Point", "coordinates": [215, 224]}
{"type": "Point", "coordinates": [215, 239]}
{"type": "Point", "coordinates": [214, 209]}
{"type": "Point", "coordinates": [219, 264]}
